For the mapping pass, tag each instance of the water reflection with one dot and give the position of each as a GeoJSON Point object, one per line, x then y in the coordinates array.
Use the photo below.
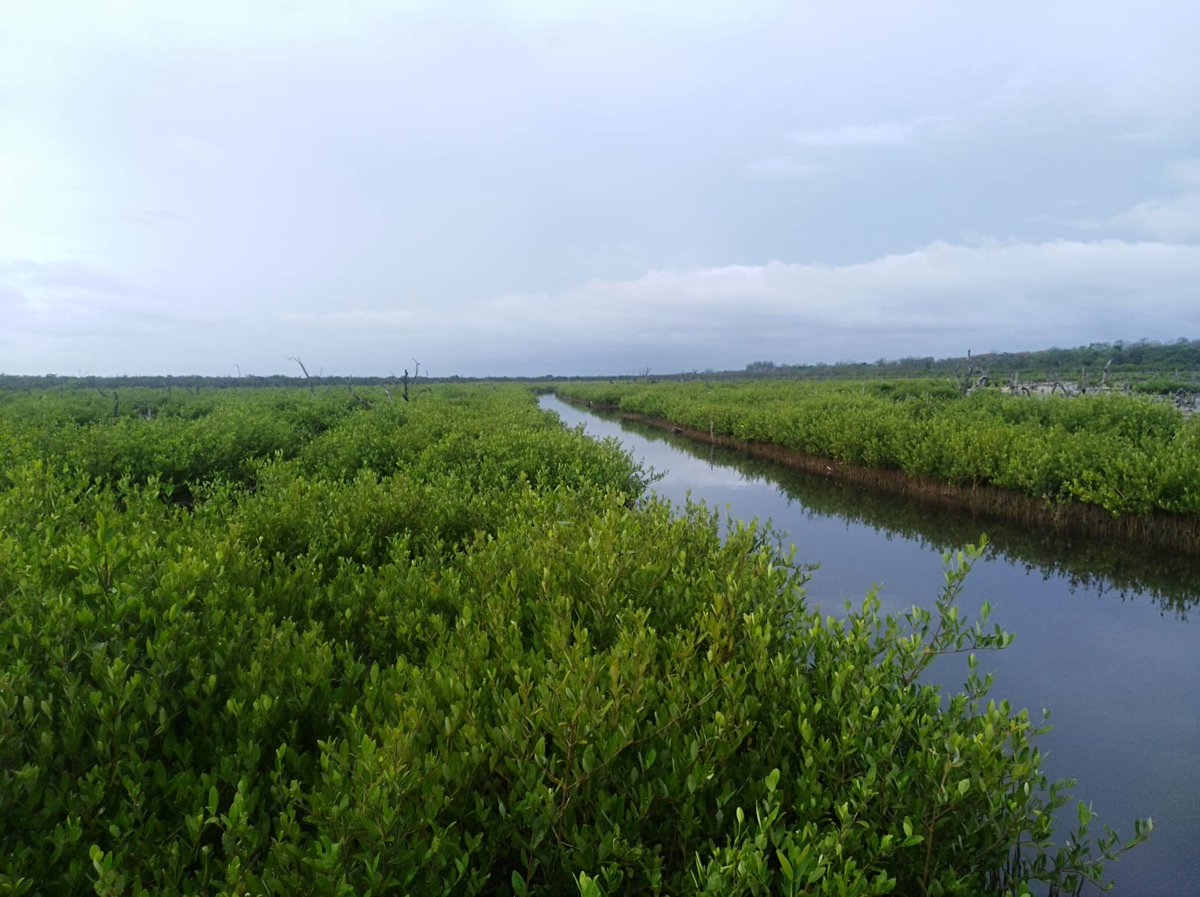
{"type": "Point", "coordinates": [1102, 635]}
{"type": "Point", "coordinates": [1097, 565]}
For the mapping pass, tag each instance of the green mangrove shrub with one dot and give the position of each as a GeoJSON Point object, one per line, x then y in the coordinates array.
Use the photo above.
{"type": "Point", "coordinates": [1126, 454]}
{"type": "Point", "coordinates": [472, 659]}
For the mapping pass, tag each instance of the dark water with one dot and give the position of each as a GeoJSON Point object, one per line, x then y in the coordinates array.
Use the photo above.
{"type": "Point", "coordinates": [1104, 637]}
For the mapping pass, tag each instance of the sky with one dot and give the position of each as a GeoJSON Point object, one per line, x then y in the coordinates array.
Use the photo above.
{"type": "Point", "coordinates": [526, 187]}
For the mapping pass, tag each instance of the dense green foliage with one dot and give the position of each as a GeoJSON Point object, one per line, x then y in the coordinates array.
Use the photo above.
{"type": "Point", "coordinates": [1127, 454]}
{"type": "Point", "coordinates": [280, 643]}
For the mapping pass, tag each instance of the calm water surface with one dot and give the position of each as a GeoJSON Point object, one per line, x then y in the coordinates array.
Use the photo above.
{"type": "Point", "coordinates": [1105, 635]}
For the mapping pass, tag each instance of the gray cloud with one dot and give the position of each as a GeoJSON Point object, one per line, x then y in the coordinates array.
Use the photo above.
{"type": "Point", "coordinates": [1172, 218]}
{"type": "Point", "coordinates": [1177, 218]}
{"type": "Point", "coordinates": [888, 133]}
{"type": "Point", "coordinates": [782, 167]}
{"type": "Point", "coordinates": [519, 187]}
{"type": "Point", "coordinates": [940, 299]}
{"type": "Point", "coordinates": [44, 278]}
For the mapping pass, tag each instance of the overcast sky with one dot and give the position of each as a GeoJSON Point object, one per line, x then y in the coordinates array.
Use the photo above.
{"type": "Point", "coordinates": [546, 186]}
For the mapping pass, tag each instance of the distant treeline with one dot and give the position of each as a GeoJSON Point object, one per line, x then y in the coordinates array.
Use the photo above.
{"type": "Point", "coordinates": [1179, 360]}
{"type": "Point", "coordinates": [1159, 367]}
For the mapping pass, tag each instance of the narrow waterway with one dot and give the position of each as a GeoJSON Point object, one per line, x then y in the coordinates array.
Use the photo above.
{"type": "Point", "coordinates": [1103, 635]}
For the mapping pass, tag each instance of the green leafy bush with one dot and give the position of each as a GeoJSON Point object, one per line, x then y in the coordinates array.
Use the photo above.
{"type": "Point", "coordinates": [443, 650]}
{"type": "Point", "coordinates": [1126, 454]}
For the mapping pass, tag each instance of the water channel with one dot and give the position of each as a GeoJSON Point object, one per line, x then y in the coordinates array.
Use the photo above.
{"type": "Point", "coordinates": [1107, 637]}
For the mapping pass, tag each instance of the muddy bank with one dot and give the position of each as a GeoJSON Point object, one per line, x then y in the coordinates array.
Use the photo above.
{"type": "Point", "coordinates": [1074, 520]}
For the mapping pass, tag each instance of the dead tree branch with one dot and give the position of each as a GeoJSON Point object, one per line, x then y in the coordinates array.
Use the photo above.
{"type": "Point", "coordinates": [311, 389]}
{"type": "Point", "coordinates": [356, 396]}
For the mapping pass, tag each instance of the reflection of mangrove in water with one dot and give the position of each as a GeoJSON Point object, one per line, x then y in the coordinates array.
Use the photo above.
{"type": "Point", "coordinates": [1104, 565]}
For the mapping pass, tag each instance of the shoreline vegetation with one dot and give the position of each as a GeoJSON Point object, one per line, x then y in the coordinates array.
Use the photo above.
{"type": "Point", "coordinates": [1169, 579]}
{"type": "Point", "coordinates": [1069, 446]}
{"type": "Point", "coordinates": [325, 641]}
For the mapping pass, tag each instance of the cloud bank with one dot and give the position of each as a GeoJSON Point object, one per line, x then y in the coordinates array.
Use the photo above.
{"type": "Point", "coordinates": [523, 188]}
{"type": "Point", "coordinates": [941, 299]}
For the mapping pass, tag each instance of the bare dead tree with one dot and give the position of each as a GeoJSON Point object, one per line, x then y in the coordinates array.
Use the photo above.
{"type": "Point", "coordinates": [356, 396]}
{"type": "Point", "coordinates": [971, 377]}
{"type": "Point", "coordinates": [311, 389]}
{"type": "Point", "coordinates": [415, 377]}
{"type": "Point", "coordinates": [116, 400]}
{"type": "Point", "coordinates": [1104, 374]}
